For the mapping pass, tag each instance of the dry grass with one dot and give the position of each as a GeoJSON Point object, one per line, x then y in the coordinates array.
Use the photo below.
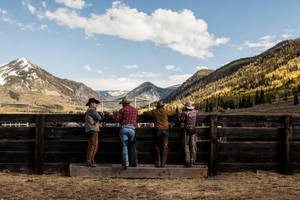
{"type": "Point", "coordinates": [242, 185]}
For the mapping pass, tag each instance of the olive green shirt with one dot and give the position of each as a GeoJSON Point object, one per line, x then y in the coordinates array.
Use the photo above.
{"type": "Point", "coordinates": [160, 117]}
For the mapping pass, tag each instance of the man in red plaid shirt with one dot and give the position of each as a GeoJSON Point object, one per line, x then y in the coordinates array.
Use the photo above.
{"type": "Point", "coordinates": [127, 117]}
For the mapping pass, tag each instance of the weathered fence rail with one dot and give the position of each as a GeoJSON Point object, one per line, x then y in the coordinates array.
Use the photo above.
{"type": "Point", "coordinates": [225, 143]}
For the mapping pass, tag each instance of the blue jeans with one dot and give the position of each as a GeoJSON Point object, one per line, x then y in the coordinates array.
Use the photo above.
{"type": "Point", "coordinates": [127, 135]}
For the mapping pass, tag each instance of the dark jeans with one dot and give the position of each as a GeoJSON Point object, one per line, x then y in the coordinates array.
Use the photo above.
{"type": "Point", "coordinates": [161, 147]}
{"type": "Point", "coordinates": [190, 145]}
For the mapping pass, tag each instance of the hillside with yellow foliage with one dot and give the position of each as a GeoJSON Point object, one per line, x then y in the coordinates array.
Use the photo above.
{"type": "Point", "coordinates": [271, 76]}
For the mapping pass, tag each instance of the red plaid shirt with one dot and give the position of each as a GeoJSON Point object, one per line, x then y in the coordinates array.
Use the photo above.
{"type": "Point", "coordinates": [127, 115]}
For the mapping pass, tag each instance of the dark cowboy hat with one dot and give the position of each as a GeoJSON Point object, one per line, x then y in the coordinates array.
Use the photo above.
{"type": "Point", "coordinates": [160, 104]}
{"type": "Point", "coordinates": [125, 100]}
{"type": "Point", "coordinates": [92, 100]}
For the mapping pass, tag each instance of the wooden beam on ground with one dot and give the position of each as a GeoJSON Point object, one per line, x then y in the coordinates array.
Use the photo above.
{"type": "Point", "coordinates": [142, 171]}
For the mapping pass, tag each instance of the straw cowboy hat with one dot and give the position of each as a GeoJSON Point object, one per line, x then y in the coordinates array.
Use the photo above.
{"type": "Point", "coordinates": [160, 104]}
{"type": "Point", "coordinates": [92, 100]}
{"type": "Point", "coordinates": [189, 105]}
{"type": "Point", "coordinates": [125, 100]}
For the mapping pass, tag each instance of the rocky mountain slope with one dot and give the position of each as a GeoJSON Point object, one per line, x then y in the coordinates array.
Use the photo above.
{"type": "Point", "coordinates": [150, 92]}
{"type": "Point", "coordinates": [180, 91]}
{"type": "Point", "coordinates": [113, 94]}
{"type": "Point", "coordinates": [24, 82]}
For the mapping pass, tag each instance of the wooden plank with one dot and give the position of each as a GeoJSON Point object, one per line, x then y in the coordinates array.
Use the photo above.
{"type": "Point", "coordinates": [64, 118]}
{"type": "Point", "coordinates": [296, 133]}
{"type": "Point", "coordinates": [213, 146]}
{"type": "Point", "coordinates": [146, 171]}
{"type": "Point", "coordinates": [109, 157]}
{"type": "Point", "coordinates": [21, 167]}
{"type": "Point", "coordinates": [295, 146]}
{"type": "Point", "coordinates": [251, 133]}
{"type": "Point", "coordinates": [295, 157]}
{"type": "Point", "coordinates": [17, 133]}
{"type": "Point", "coordinates": [39, 144]}
{"type": "Point", "coordinates": [112, 146]}
{"type": "Point", "coordinates": [296, 120]}
{"type": "Point", "coordinates": [17, 118]}
{"type": "Point", "coordinates": [250, 120]}
{"type": "Point", "coordinates": [17, 145]}
{"type": "Point", "coordinates": [249, 146]}
{"type": "Point", "coordinates": [247, 157]}
{"type": "Point", "coordinates": [16, 156]}
{"type": "Point", "coordinates": [234, 167]}
{"type": "Point", "coordinates": [288, 124]}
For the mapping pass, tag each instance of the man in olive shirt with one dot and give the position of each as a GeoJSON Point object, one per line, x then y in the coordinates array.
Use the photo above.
{"type": "Point", "coordinates": [160, 117]}
{"type": "Point", "coordinates": [92, 123]}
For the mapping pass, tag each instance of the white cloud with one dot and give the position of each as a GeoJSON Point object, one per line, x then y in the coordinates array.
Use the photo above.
{"type": "Point", "coordinates": [240, 48]}
{"type": "Point", "coordinates": [76, 4]}
{"type": "Point", "coordinates": [24, 27]}
{"type": "Point", "coordinates": [287, 35]}
{"type": "Point", "coordinates": [3, 12]}
{"type": "Point", "coordinates": [31, 8]}
{"type": "Point", "coordinates": [264, 42]}
{"type": "Point", "coordinates": [201, 67]}
{"type": "Point", "coordinates": [145, 75]}
{"type": "Point", "coordinates": [8, 20]}
{"type": "Point", "coordinates": [44, 4]}
{"type": "Point", "coordinates": [87, 67]}
{"type": "Point", "coordinates": [172, 68]}
{"type": "Point", "coordinates": [160, 27]}
{"type": "Point", "coordinates": [131, 66]}
{"type": "Point", "coordinates": [42, 27]}
{"type": "Point", "coordinates": [180, 78]}
{"type": "Point", "coordinates": [99, 71]}
{"type": "Point", "coordinates": [124, 83]}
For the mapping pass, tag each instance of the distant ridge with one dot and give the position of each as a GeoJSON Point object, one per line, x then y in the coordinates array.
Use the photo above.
{"type": "Point", "coordinates": [24, 82]}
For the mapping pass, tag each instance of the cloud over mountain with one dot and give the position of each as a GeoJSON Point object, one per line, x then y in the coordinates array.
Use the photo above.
{"type": "Point", "coordinates": [160, 27]}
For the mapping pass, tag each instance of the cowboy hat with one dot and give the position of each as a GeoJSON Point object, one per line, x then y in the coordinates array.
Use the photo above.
{"type": "Point", "coordinates": [92, 100]}
{"type": "Point", "coordinates": [160, 104]}
{"type": "Point", "coordinates": [125, 100]}
{"type": "Point", "coordinates": [189, 105]}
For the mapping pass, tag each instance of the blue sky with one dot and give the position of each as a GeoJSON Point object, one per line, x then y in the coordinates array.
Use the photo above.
{"type": "Point", "coordinates": [120, 44]}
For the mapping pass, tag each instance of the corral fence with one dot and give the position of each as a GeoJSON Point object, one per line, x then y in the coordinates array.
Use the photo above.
{"type": "Point", "coordinates": [225, 143]}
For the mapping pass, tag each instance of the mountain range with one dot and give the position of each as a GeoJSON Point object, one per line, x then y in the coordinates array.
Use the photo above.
{"type": "Point", "coordinates": [22, 81]}
{"type": "Point", "coordinates": [276, 72]}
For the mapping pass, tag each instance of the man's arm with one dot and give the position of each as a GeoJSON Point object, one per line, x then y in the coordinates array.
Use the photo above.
{"type": "Point", "coordinates": [171, 113]}
{"type": "Point", "coordinates": [181, 117]}
{"type": "Point", "coordinates": [94, 114]}
{"type": "Point", "coordinates": [148, 113]}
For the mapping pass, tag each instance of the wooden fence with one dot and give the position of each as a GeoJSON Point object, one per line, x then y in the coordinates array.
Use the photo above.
{"type": "Point", "coordinates": [225, 143]}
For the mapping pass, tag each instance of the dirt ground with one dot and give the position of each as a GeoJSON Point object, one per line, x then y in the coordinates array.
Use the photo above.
{"type": "Point", "coordinates": [241, 185]}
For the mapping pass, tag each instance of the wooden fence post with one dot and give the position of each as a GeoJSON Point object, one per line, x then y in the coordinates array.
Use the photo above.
{"type": "Point", "coordinates": [288, 125]}
{"type": "Point", "coordinates": [39, 144]}
{"type": "Point", "coordinates": [213, 146]}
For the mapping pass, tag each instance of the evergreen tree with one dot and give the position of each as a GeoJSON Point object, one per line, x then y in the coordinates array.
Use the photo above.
{"type": "Point", "coordinates": [296, 99]}
{"type": "Point", "coordinates": [206, 105]}
{"type": "Point", "coordinates": [262, 96]}
{"type": "Point", "coordinates": [257, 98]}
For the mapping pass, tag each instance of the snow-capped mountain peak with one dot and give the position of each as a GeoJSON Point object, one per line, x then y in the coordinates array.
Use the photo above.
{"type": "Point", "coordinates": [20, 68]}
